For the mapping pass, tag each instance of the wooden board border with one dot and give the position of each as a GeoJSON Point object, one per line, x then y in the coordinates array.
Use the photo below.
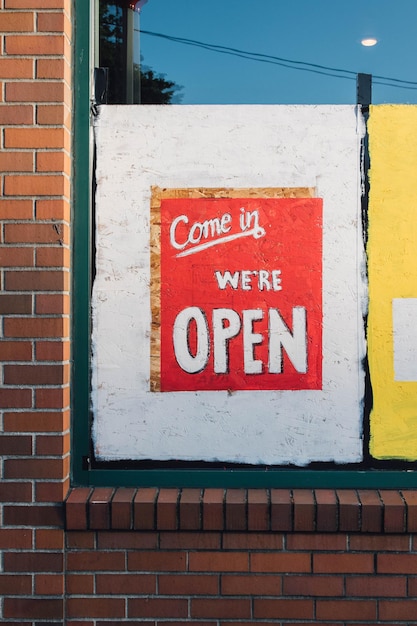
{"type": "Point", "coordinates": [157, 195]}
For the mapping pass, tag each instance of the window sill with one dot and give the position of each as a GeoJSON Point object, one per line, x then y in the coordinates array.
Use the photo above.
{"type": "Point", "coordinates": [253, 510]}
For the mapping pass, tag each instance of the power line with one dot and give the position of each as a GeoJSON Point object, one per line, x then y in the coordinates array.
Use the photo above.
{"type": "Point", "coordinates": [303, 66]}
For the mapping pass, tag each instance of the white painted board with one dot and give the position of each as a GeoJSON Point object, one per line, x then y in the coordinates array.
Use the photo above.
{"type": "Point", "coordinates": [224, 146]}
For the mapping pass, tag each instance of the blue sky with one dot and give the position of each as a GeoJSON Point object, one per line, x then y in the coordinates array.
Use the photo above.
{"type": "Point", "coordinates": [323, 32]}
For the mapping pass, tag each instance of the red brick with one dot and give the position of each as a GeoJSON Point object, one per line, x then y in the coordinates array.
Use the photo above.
{"type": "Point", "coordinates": [188, 584]}
{"type": "Point", "coordinates": [52, 398]}
{"type": "Point", "coordinates": [76, 509]}
{"type": "Point", "coordinates": [49, 584]}
{"type": "Point", "coordinates": [157, 607]}
{"type": "Point", "coordinates": [343, 563]}
{"type": "Point", "coordinates": [251, 585]}
{"type": "Point", "coordinates": [96, 607]}
{"type": "Point", "coordinates": [56, 209]}
{"type": "Point", "coordinates": [51, 114]}
{"type": "Point", "coordinates": [258, 509]}
{"type": "Point", "coordinates": [235, 509]}
{"type": "Point", "coordinates": [144, 509]}
{"type": "Point", "coordinates": [33, 468]}
{"type": "Point", "coordinates": [374, 587]}
{"type": "Point", "coordinates": [12, 584]}
{"type": "Point", "coordinates": [316, 541]}
{"type": "Point", "coordinates": [190, 540]}
{"type": "Point", "coordinates": [349, 510]}
{"type": "Point", "coordinates": [156, 561]}
{"type": "Point", "coordinates": [304, 510]}
{"type": "Point", "coordinates": [36, 185]}
{"type": "Point", "coordinates": [33, 515]}
{"type": "Point", "coordinates": [410, 498]}
{"type": "Point", "coordinates": [15, 445]}
{"type": "Point", "coordinates": [45, 280]}
{"type": "Point", "coordinates": [52, 257]}
{"type": "Point", "coordinates": [52, 350]}
{"type": "Point", "coordinates": [16, 22]}
{"type": "Point", "coordinates": [16, 257]}
{"type": "Point", "coordinates": [15, 114]}
{"type": "Point", "coordinates": [15, 492]}
{"type": "Point", "coordinates": [51, 68]}
{"type": "Point", "coordinates": [396, 563]}
{"type": "Point", "coordinates": [33, 608]}
{"type": "Point", "coordinates": [125, 584]}
{"type": "Point", "coordinates": [80, 540]}
{"type": "Point", "coordinates": [253, 541]}
{"type": "Point", "coordinates": [11, 209]}
{"type": "Point", "coordinates": [189, 509]}
{"type": "Point", "coordinates": [33, 562]}
{"type": "Point", "coordinates": [34, 45]}
{"type": "Point", "coordinates": [15, 539]}
{"type": "Point", "coordinates": [82, 584]}
{"type": "Point", "coordinates": [166, 509]}
{"type": "Point", "coordinates": [51, 22]}
{"type": "Point", "coordinates": [33, 233]}
{"type": "Point", "coordinates": [16, 162]}
{"type": "Point", "coordinates": [34, 4]}
{"type": "Point", "coordinates": [379, 543]}
{"type": "Point", "coordinates": [36, 421]}
{"type": "Point", "coordinates": [34, 138]}
{"type": "Point", "coordinates": [49, 539]}
{"type": "Point", "coordinates": [114, 540]}
{"type": "Point", "coordinates": [313, 586]}
{"type": "Point", "coordinates": [327, 510]}
{"type": "Point", "coordinates": [349, 609]}
{"type": "Point", "coordinates": [213, 509]}
{"type": "Point", "coordinates": [52, 445]}
{"type": "Point", "coordinates": [15, 398]}
{"type": "Point", "coordinates": [394, 511]}
{"type": "Point", "coordinates": [400, 610]}
{"type": "Point", "coordinates": [15, 304]}
{"type": "Point", "coordinates": [99, 508]}
{"type": "Point", "coordinates": [218, 562]}
{"type": "Point", "coordinates": [48, 304]}
{"type": "Point", "coordinates": [220, 608]}
{"type": "Point", "coordinates": [282, 562]}
{"type": "Point", "coordinates": [122, 508]}
{"type": "Point", "coordinates": [283, 609]}
{"type": "Point", "coordinates": [371, 511]}
{"type": "Point", "coordinates": [85, 561]}
{"type": "Point", "coordinates": [15, 351]}
{"type": "Point", "coordinates": [35, 374]}
{"type": "Point", "coordinates": [52, 491]}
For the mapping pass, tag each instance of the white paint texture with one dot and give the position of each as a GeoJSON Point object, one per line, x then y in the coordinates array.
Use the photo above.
{"type": "Point", "coordinates": [404, 315]}
{"type": "Point", "coordinates": [224, 146]}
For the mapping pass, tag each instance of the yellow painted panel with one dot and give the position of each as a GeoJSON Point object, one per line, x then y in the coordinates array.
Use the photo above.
{"type": "Point", "coordinates": [392, 264]}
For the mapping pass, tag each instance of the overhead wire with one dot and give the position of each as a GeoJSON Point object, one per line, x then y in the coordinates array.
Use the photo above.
{"type": "Point", "coordinates": [304, 66]}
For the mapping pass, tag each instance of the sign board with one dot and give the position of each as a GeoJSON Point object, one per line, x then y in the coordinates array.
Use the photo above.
{"type": "Point", "coordinates": [240, 303]}
{"type": "Point", "coordinates": [229, 294]}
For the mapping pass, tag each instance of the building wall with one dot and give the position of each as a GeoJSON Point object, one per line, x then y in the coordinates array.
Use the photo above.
{"type": "Point", "coordinates": [35, 118]}
{"type": "Point", "coordinates": [142, 556]}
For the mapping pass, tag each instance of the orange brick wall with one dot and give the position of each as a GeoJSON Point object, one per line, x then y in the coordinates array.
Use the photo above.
{"type": "Point", "coordinates": [142, 556]}
{"type": "Point", "coordinates": [35, 179]}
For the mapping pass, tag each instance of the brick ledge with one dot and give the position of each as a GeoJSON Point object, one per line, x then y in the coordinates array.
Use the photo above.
{"type": "Point", "coordinates": [241, 510]}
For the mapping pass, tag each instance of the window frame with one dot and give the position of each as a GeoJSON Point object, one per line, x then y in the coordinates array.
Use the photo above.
{"type": "Point", "coordinates": [83, 471]}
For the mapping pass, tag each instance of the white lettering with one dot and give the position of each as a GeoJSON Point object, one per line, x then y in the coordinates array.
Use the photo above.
{"type": "Point", "coordinates": [227, 278]}
{"type": "Point", "coordinates": [294, 344]}
{"type": "Point", "coordinates": [221, 335]}
{"type": "Point", "coordinates": [251, 339]}
{"type": "Point", "coordinates": [192, 364]}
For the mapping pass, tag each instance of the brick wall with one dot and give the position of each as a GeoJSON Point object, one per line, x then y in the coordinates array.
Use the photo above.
{"type": "Point", "coordinates": [35, 124]}
{"type": "Point", "coordinates": [129, 555]}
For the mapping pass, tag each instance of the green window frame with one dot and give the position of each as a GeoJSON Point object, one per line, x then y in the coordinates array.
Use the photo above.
{"type": "Point", "coordinates": [83, 471]}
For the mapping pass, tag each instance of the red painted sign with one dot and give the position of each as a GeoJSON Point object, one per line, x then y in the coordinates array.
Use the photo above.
{"type": "Point", "coordinates": [241, 294]}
